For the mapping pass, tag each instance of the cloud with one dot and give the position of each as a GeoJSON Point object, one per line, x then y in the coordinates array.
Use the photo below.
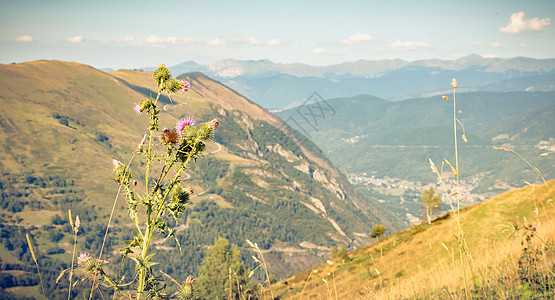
{"type": "Point", "coordinates": [522, 45]}
{"type": "Point", "coordinates": [126, 39]}
{"type": "Point", "coordinates": [410, 46]}
{"type": "Point", "coordinates": [159, 41]}
{"type": "Point", "coordinates": [25, 38]}
{"type": "Point", "coordinates": [496, 45]}
{"type": "Point", "coordinates": [324, 51]}
{"type": "Point", "coordinates": [357, 38]}
{"type": "Point", "coordinates": [75, 39]}
{"type": "Point", "coordinates": [248, 41]}
{"type": "Point", "coordinates": [245, 41]}
{"type": "Point", "coordinates": [216, 42]}
{"type": "Point", "coordinates": [274, 43]}
{"type": "Point", "coordinates": [517, 24]}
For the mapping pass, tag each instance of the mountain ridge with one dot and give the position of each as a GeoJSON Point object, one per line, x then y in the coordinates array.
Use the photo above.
{"type": "Point", "coordinates": [276, 86]}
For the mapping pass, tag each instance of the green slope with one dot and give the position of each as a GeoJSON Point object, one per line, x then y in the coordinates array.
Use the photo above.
{"type": "Point", "coordinates": [63, 123]}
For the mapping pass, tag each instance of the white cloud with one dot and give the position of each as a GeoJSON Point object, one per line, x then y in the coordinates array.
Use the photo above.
{"type": "Point", "coordinates": [274, 43]}
{"type": "Point", "coordinates": [216, 42]}
{"type": "Point", "coordinates": [154, 39]}
{"type": "Point", "coordinates": [411, 46]}
{"type": "Point", "coordinates": [517, 24]}
{"type": "Point", "coordinates": [246, 41]}
{"type": "Point", "coordinates": [75, 39]}
{"type": "Point", "coordinates": [357, 38]}
{"type": "Point", "coordinates": [25, 38]}
{"type": "Point", "coordinates": [496, 45]}
{"type": "Point", "coordinates": [324, 51]}
{"type": "Point", "coordinates": [126, 39]}
{"type": "Point", "coordinates": [159, 41]}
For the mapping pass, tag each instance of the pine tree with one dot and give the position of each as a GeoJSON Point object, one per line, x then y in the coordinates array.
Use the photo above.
{"type": "Point", "coordinates": [377, 231]}
{"type": "Point", "coordinates": [222, 263]}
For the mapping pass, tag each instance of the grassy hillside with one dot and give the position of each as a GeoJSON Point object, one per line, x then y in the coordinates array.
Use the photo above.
{"type": "Point", "coordinates": [63, 123]}
{"type": "Point", "coordinates": [423, 261]}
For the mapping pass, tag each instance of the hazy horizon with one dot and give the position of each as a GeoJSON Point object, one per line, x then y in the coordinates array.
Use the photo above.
{"type": "Point", "coordinates": [135, 34]}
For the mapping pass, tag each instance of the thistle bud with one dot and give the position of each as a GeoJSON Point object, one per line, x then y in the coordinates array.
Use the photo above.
{"type": "Point", "coordinates": [161, 74]}
{"type": "Point", "coordinates": [173, 85]}
{"type": "Point", "coordinates": [186, 291]}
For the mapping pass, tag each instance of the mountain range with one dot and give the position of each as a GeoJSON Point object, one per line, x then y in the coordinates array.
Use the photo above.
{"type": "Point", "coordinates": [277, 86]}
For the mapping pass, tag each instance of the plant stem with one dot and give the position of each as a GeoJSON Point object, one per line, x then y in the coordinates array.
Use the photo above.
{"type": "Point", "coordinates": [459, 225]}
{"type": "Point", "coordinates": [153, 124]}
{"type": "Point", "coordinates": [150, 225]}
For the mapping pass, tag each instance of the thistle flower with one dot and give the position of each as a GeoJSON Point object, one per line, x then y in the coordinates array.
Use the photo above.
{"type": "Point", "coordinates": [169, 136]}
{"type": "Point", "coordinates": [454, 83]}
{"type": "Point", "coordinates": [137, 109]}
{"type": "Point", "coordinates": [83, 257]}
{"type": "Point", "coordinates": [181, 124]}
{"type": "Point", "coordinates": [185, 85]}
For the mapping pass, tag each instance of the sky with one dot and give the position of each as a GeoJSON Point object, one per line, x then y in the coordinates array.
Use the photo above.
{"type": "Point", "coordinates": [135, 34]}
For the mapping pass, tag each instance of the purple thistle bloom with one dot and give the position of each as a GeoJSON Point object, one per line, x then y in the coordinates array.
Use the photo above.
{"type": "Point", "coordinates": [83, 257]}
{"type": "Point", "coordinates": [181, 124]}
{"type": "Point", "coordinates": [137, 109]}
{"type": "Point", "coordinates": [185, 85]}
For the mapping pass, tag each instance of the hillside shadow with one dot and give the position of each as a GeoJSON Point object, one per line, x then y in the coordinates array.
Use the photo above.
{"type": "Point", "coordinates": [146, 92]}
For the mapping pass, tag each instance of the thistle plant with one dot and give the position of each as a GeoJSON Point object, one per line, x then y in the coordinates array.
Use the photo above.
{"type": "Point", "coordinates": [170, 151]}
